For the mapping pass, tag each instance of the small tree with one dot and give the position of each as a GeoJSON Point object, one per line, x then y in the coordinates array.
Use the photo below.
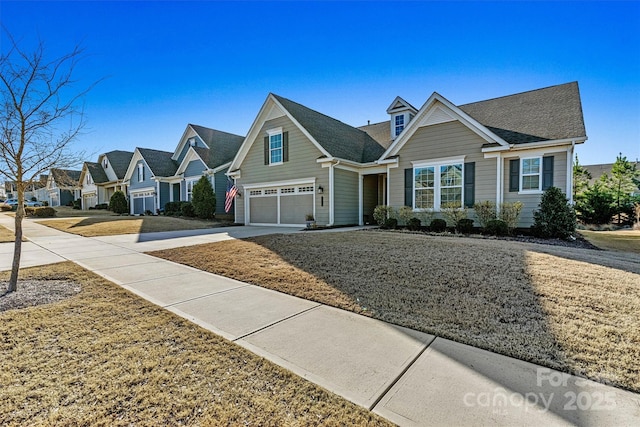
{"type": "Point", "coordinates": [204, 198]}
{"type": "Point", "coordinates": [581, 178]}
{"type": "Point", "coordinates": [118, 203]}
{"type": "Point", "coordinates": [555, 216]}
{"type": "Point", "coordinates": [622, 182]}
{"type": "Point", "coordinates": [40, 116]}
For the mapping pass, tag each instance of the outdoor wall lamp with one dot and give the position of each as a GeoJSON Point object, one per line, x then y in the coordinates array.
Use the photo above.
{"type": "Point", "coordinates": [320, 189]}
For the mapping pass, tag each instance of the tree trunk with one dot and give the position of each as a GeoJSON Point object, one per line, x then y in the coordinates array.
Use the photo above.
{"type": "Point", "coordinates": [17, 249]}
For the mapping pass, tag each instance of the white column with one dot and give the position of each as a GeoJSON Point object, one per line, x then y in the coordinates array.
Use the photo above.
{"type": "Point", "coordinates": [360, 196]}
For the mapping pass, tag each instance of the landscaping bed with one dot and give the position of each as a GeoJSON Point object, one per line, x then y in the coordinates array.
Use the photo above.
{"type": "Point", "coordinates": [571, 309]}
{"type": "Point", "coordinates": [104, 356]}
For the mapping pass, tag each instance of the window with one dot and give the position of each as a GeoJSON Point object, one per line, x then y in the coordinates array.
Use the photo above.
{"type": "Point", "coordinates": [399, 122]}
{"type": "Point", "coordinates": [190, 185]}
{"type": "Point", "coordinates": [531, 174]}
{"type": "Point", "coordinates": [89, 182]}
{"type": "Point", "coordinates": [275, 148]}
{"type": "Point", "coordinates": [140, 172]}
{"type": "Point", "coordinates": [438, 185]}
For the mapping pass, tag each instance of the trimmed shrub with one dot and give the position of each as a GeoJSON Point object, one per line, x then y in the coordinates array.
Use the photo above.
{"type": "Point", "coordinates": [44, 212]}
{"type": "Point", "coordinates": [390, 224]}
{"type": "Point", "coordinates": [102, 206]}
{"type": "Point", "coordinates": [186, 209]}
{"type": "Point", "coordinates": [118, 203]}
{"type": "Point", "coordinates": [496, 227]}
{"type": "Point", "coordinates": [510, 213]}
{"type": "Point", "coordinates": [204, 199]}
{"type": "Point", "coordinates": [414, 224]}
{"type": "Point", "coordinates": [405, 213]}
{"type": "Point", "coordinates": [485, 212]}
{"type": "Point", "coordinates": [381, 213]}
{"type": "Point", "coordinates": [555, 217]}
{"type": "Point", "coordinates": [453, 213]}
{"type": "Point", "coordinates": [5, 208]}
{"type": "Point", "coordinates": [77, 204]}
{"type": "Point", "coordinates": [45, 203]}
{"type": "Point", "coordinates": [465, 226]}
{"type": "Point", "coordinates": [438, 225]}
{"type": "Point", "coordinates": [425, 217]}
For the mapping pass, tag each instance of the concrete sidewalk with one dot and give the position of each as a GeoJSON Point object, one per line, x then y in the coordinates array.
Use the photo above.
{"type": "Point", "coordinates": [409, 377]}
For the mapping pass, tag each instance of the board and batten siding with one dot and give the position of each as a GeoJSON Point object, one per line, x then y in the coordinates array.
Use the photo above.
{"type": "Point", "coordinates": [302, 164]}
{"type": "Point", "coordinates": [451, 139]}
{"type": "Point", "coordinates": [530, 201]}
{"type": "Point", "coordinates": [345, 195]}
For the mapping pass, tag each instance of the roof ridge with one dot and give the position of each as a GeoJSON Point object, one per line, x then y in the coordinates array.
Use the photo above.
{"type": "Point", "coordinates": [519, 93]}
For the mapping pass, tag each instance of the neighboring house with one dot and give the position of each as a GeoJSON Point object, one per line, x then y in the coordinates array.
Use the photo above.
{"type": "Point", "coordinates": [208, 152]}
{"type": "Point", "coordinates": [103, 178]}
{"type": "Point", "coordinates": [63, 187]}
{"type": "Point", "coordinates": [36, 188]}
{"type": "Point", "coordinates": [596, 171]}
{"type": "Point", "coordinates": [296, 161]}
{"type": "Point", "coordinates": [158, 177]}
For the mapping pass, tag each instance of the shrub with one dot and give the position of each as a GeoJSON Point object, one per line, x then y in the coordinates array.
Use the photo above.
{"type": "Point", "coordinates": [45, 203]}
{"type": "Point", "coordinates": [465, 226]}
{"type": "Point", "coordinates": [595, 205]}
{"type": "Point", "coordinates": [390, 223]}
{"type": "Point", "coordinates": [405, 213]}
{"type": "Point", "coordinates": [438, 225]}
{"type": "Point", "coordinates": [555, 216]}
{"type": "Point", "coordinates": [4, 207]}
{"type": "Point", "coordinates": [510, 213]}
{"type": "Point", "coordinates": [496, 227]}
{"type": "Point", "coordinates": [118, 203]}
{"type": "Point", "coordinates": [186, 209]}
{"type": "Point", "coordinates": [453, 213]}
{"type": "Point", "coordinates": [381, 213]}
{"type": "Point", "coordinates": [44, 212]}
{"type": "Point", "coordinates": [102, 206]}
{"type": "Point", "coordinates": [77, 204]}
{"type": "Point", "coordinates": [485, 212]}
{"type": "Point", "coordinates": [425, 217]}
{"type": "Point", "coordinates": [414, 224]}
{"type": "Point", "coordinates": [204, 199]}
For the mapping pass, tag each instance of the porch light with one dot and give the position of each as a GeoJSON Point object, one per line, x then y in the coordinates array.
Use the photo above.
{"type": "Point", "coordinates": [320, 189]}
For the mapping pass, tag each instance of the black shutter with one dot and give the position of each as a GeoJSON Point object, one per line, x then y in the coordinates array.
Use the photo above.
{"type": "Point", "coordinates": [266, 150]}
{"type": "Point", "coordinates": [408, 187]}
{"type": "Point", "coordinates": [514, 175]}
{"type": "Point", "coordinates": [547, 172]}
{"type": "Point", "coordinates": [469, 184]}
{"type": "Point", "coordinates": [285, 146]}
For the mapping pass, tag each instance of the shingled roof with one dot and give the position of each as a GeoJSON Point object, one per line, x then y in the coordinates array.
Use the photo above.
{"type": "Point", "coordinates": [337, 138]}
{"type": "Point", "coordinates": [381, 132]}
{"type": "Point", "coordinates": [97, 173]}
{"type": "Point", "coordinates": [119, 161]}
{"type": "Point", "coordinates": [160, 162]}
{"type": "Point", "coordinates": [66, 177]}
{"type": "Point", "coordinates": [550, 113]}
{"type": "Point", "coordinates": [223, 146]}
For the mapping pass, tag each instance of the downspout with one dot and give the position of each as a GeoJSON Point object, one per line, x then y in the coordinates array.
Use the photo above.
{"type": "Point", "coordinates": [332, 192]}
{"type": "Point", "coordinates": [157, 195]}
{"type": "Point", "coordinates": [570, 171]}
{"type": "Point", "coordinates": [360, 207]}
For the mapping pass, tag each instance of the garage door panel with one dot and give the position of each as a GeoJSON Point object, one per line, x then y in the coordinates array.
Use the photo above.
{"type": "Point", "coordinates": [294, 208]}
{"type": "Point", "coordinates": [264, 210]}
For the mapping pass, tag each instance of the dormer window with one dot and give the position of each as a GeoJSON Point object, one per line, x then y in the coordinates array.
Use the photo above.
{"type": "Point", "coordinates": [192, 142]}
{"type": "Point", "coordinates": [105, 163]}
{"type": "Point", "coordinates": [399, 124]}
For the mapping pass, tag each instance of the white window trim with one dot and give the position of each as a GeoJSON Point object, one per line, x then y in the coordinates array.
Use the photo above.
{"type": "Point", "coordinates": [140, 172]}
{"type": "Point", "coordinates": [395, 126]}
{"type": "Point", "coordinates": [436, 163]}
{"type": "Point", "coordinates": [273, 132]}
{"type": "Point", "coordinates": [189, 182]}
{"type": "Point", "coordinates": [522, 175]}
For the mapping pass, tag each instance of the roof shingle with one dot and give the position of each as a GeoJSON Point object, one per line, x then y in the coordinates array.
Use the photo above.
{"type": "Point", "coordinates": [160, 162]}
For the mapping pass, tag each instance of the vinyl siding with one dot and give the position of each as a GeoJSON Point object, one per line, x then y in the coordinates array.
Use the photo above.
{"type": "Point", "coordinates": [451, 139]}
{"type": "Point", "coordinates": [220, 186]}
{"type": "Point", "coordinates": [194, 168]}
{"type": "Point", "coordinates": [164, 194]}
{"type": "Point", "coordinates": [346, 197]}
{"type": "Point", "coordinates": [369, 196]}
{"type": "Point", "coordinates": [531, 201]}
{"type": "Point", "coordinates": [148, 182]}
{"type": "Point", "coordinates": [302, 164]}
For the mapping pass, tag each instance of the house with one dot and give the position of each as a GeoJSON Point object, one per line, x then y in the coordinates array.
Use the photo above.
{"type": "Point", "coordinates": [35, 188]}
{"type": "Point", "coordinates": [158, 177]}
{"type": "Point", "coordinates": [63, 187]}
{"type": "Point", "coordinates": [296, 161]}
{"type": "Point", "coordinates": [596, 171]}
{"type": "Point", "coordinates": [103, 178]}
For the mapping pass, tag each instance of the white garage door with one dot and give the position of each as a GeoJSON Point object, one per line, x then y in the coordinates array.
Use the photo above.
{"type": "Point", "coordinates": [280, 206]}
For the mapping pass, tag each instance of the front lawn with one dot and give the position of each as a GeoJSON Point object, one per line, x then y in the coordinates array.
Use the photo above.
{"type": "Point", "coordinates": [109, 225]}
{"type": "Point", "coordinates": [574, 310]}
{"type": "Point", "coordinates": [6, 235]}
{"type": "Point", "coordinates": [619, 240]}
{"type": "Point", "coordinates": [108, 357]}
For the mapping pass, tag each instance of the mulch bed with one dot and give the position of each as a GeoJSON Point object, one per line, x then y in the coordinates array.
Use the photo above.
{"type": "Point", "coordinates": [36, 292]}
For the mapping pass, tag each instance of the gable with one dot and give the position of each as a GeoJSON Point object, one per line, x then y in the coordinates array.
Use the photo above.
{"type": "Point", "coordinates": [194, 168]}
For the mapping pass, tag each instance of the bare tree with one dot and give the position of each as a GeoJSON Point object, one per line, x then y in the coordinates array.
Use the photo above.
{"type": "Point", "coordinates": [40, 116]}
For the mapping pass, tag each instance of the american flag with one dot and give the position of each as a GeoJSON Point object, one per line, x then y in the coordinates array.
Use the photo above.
{"type": "Point", "coordinates": [232, 190]}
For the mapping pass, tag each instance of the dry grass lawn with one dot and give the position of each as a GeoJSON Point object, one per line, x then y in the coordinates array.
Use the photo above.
{"type": "Point", "coordinates": [574, 310]}
{"type": "Point", "coordinates": [108, 357]}
{"type": "Point", "coordinates": [620, 240]}
{"type": "Point", "coordinates": [105, 225]}
{"type": "Point", "coordinates": [6, 235]}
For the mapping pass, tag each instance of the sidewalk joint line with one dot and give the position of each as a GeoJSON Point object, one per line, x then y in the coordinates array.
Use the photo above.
{"type": "Point", "coordinates": [306, 310]}
{"type": "Point", "coordinates": [206, 295]}
{"type": "Point", "coordinates": [402, 373]}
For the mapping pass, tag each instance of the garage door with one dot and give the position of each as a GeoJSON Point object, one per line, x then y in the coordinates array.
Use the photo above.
{"type": "Point", "coordinates": [143, 201]}
{"type": "Point", "coordinates": [90, 200]}
{"type": "Point", "coordinates": [280, 206]}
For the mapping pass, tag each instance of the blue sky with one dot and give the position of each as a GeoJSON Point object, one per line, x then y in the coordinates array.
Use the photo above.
{"type": "Point", "coordinates": [213, 63]}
